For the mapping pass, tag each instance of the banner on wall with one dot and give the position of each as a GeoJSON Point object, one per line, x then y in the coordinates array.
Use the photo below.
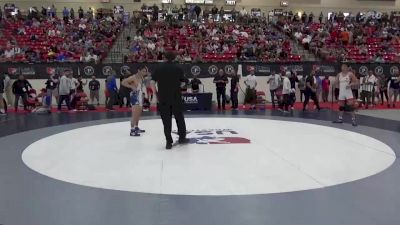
{"type": "Point", "coordinates": [201, 70]}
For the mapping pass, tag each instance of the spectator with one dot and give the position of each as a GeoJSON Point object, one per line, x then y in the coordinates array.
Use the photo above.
{"type": "Point", "coordinates": [43, 105]}
{"type": "Point", "coordinates": [311, 90]}
{"type": "Point", "coordinates": [94, 87]}
{"type": "Point", "coordinates": [251, 92]}
{"type": "Point", "coordinates": [383, 88]}
{"type": "Point", "coordinates": [20, 89]}
{"type": "Point", "coordinates": [112, 90]}
{"type": "Point", "coordinates": [325, 88]}
{"type": "Point", "coordinates": [394, 89]}
{"type": "Point", "coordinates": [80, 12]}
{"type": "Point", "coordinates": [274, 82]}
{"type": "Point", "coordinates": [220, 81]}
{"type": "Point", "coordinates": [2, 105]}
{"type": "Point", "coordinates": [64, 89]}
{"type": "Point", "coordinates": [8, 89]}
{"type": "Point", "coordinates": [80, 84]}
{"type": "Point", "coordinates": [65, 14]}
{"type": "Point", "coordinates": [355, 88]}
{"type": "Point", "coordinates": [321, 17]}
{"type": "Point", "coordinates": [72, 13]}
{"type": "Point", "coordinates": [195, 84]}
{"type": "Point", "coordinates": [91, 57]}
{"type": "Point", "coordinates": [9, 53]}
{"type": "Point", "coordinates": [367, 86]}
{"type": "Point", "coordinates": [302, 87]}
{"type": "Point", "coordinates": [286, 91]}
{"type": "Point", "coordinates": [234, 90]}
{"type": "Point", "coordinates": [51, 88]}
{"type": "Point", "coordinates": [293, 80]}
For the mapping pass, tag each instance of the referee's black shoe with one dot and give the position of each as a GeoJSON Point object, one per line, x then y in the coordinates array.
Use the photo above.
{"type": "Point", "coordinates": [183, 140]}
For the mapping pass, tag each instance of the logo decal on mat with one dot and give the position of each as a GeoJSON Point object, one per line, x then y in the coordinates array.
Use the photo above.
{"type": "Point", "coordinates": [215, 136]}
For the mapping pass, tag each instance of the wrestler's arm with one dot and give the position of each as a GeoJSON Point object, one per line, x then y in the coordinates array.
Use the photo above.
{"type": "Point", "coordinates": [129, 82]}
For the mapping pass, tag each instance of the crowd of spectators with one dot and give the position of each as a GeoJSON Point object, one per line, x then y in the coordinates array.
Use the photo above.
{"type": "Point", "coordinates": [210, 41]}
{"type": "Point", "coordinates": [44, 37]}
{"type": "Point", "coordinates": [347, 38]}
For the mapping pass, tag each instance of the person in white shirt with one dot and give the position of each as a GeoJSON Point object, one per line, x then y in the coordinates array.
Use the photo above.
{"type": "Point", "coordinates": [151, 46]}
{"type": "Point", "coordinates": [9, 53]}
{"type": "Point", "coordinates": [64, 90]}
{"type": "Point", "coordinates": [90, 57]}
{"type": "Point", "coordinates": [51, 33]}
{"type": "Point", "coordinates": [243, 12]}
{"type": "Point", "coordinates": [8, 89]}
{"type": "Point", "coordinates": [286, 91]}
{"type": "Point", "coordinates": [367, 88]}
{"type": "Point", "coordinates": [82, 26]}
{"type": "Point", "coordinates": [251, 92]}
{"type": "Point", "coordinates": [274, 83]}
{"type": "Point", "coordinates": [298, 35]}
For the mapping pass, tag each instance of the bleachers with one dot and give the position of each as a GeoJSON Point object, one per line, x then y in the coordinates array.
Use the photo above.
{"type": "Point", "coordinates": [43, 42]}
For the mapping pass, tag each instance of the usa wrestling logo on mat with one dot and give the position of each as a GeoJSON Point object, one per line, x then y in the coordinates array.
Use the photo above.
{"type": "Point", "coordinates": [215, 136]}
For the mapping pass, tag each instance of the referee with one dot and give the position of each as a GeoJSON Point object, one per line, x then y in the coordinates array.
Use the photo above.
{"type": "Point", "coordinates": [168, 78]}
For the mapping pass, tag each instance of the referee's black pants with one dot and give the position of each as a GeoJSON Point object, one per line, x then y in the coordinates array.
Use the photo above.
{"type": "Point", "coordinates": [166, 112]}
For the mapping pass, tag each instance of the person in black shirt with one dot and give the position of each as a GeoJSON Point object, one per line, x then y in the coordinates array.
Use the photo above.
{"type": "Point", "coordinates": [220, 81]}
{"type": "Point", "coordinates": [184, 84]}
{"type": "Point", "coordinates": [20, 89]}
{"type": "Point", "coordinates": [94, 87]}
{"type": "Point", "coordinates": [195, 84]}
{"type": "Point", "coordinates": [51, 88]}
{"type": "Point", "coordinates": [293, 80]}
{"type": "Point", "coordinates": [394, 89]}
{"type": "Point", "coordinates": [311, 90]}
{"type": "Point", "coordinates": [80, 12]}
{"type": "Point", "coordinates": [168, 78]}
{"type": "Point", "coordinates": [234, 90]}
{"type": "Point", "coordinates": [2, 89]}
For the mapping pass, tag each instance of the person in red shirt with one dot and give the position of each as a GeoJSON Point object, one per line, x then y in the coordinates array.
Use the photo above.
{"type": "Point", "coordinates": [325, 88]}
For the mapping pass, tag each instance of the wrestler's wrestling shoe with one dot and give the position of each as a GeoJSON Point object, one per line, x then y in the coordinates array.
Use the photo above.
{"type": "Point", "coordinates": [183, 140]}
{"type": "Point", "coordinates": [140, 131]}
{"type": "Point", "coordinates": [135, 132]}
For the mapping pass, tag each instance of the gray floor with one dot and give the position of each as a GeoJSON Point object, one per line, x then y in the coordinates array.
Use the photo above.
{"type": "Point", "coordinates": [27, 197]}
{"type": "Point", "coordinates": [384, 114]}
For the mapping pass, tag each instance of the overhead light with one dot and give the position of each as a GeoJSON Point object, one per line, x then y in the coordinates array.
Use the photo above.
{"type": "Point", "coordinates": [284, 3]}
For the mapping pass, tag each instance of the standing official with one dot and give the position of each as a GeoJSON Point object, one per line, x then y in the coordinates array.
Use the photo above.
{"type": "Point", "coordinates": [220, 81]}
{"type": "Point", "coordinates": [168, 78]}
